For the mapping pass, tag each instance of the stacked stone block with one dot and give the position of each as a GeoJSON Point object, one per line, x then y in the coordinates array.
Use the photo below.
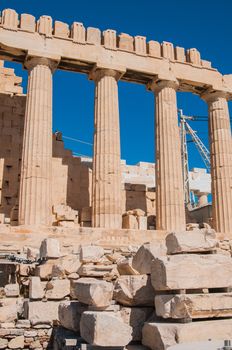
{"type": "Point", "coordinates": [192, 283]}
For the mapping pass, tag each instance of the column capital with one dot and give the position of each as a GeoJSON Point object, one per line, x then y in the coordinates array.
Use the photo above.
{"type": "Point", "coordinates": [102, 70]}
{"type": "Point", "coordinates": [158, 84]}
{"type": "Point", "coordinates": [34, 58]}
{"type": "Point", "coordinates": [211, 95]}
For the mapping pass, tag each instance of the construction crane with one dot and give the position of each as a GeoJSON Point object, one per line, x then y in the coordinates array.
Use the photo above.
{"type": "Point", "coordinates": [185, 129]}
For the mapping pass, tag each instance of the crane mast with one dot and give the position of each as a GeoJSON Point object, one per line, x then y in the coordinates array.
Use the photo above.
{"type": "Point", "coordinates": [185, 129]}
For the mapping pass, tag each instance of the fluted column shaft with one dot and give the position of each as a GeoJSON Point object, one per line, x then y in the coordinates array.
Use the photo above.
{"type": "Point", "coordinates": [170, 212]}
{"type": "Point", "coordinates": [221, 160]}
{"type": "Point", "coordinates": [106, 199]}
{"type": "Point", "coordinates": [35, 203]}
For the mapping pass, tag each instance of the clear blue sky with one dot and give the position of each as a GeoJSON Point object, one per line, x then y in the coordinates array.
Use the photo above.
{"type": "Point", "coordinates": [204, 24]}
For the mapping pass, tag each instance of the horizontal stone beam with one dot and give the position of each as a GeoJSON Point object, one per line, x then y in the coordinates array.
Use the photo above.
{"type": "Point", "coordinates": [82, 49]}
{"type": "Point", "coordinates": [191, 242]}
{"type": "Point", "coordinates": [191, 306]}
{"type": "Point", "coordinates": [191, 271]}
{"type": "Point", "coordinates": [160, 336]}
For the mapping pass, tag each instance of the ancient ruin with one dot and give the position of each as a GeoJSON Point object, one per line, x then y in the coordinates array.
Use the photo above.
{"type": "Point", "coordinates": [96, 254]}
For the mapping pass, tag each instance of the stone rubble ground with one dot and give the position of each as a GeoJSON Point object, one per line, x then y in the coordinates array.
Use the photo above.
{"type": "Point", "coordinates": [101, 298]}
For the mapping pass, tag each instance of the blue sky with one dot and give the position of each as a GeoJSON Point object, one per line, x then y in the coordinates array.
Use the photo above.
{"type": "Point", "coordinates": [204, 24]}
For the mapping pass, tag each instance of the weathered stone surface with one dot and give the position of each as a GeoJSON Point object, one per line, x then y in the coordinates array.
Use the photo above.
{"type": "Point", "coordinates": [33, 253]}
{"type": "Point", "coordinates": [23, 324]}
{"type": "Point", "coordinates": [191, 241]}
{"type": "Point", "coordinates": [39, 312]}
{"type": "Point", "coordinates": [146, 253]}
{"type": "Point", "coordinates": [134, 290]}
{"type": "Point", "coordinates": [125, 267]}
{"type": "Point", "coordinates": [36, 288]}
{"type": "Point", "coordinates": [66, 265]}
{"type": "Point", "coordinates": [104, 329]}
{"type": "Point", "coordinates": [159, 336]}
{"type": "Point", "coordinates": [57, 289]}
{"type": "Point", "coordinates": [92, 291]}
{"type": "Point", "coordinates": [129, 221]}
{"type": "Point", "coordinates": [50, 248]}
{"type": "Point", "coordinates": [8, 313]}
{"type": "Point", "coordinates": [12, 290]}
{"type": "Point", "coordinates": [194, 305]}
{"type": "Point", "coordinates": [91, 253]}
{"type": "Point", "coordinates": [105, 271]}
{"type": "Point", "coordinates": [136, 317]}
{"type": "Point", "coordinates": [3, 343]}
{"type": "Point", "coordinates": [45, 270]}
{"type": "Point", "coordinates": [16, 343]}
{"type": "Point", "coordinates": [187, 271]}
{"type": "Point", "coordinates": [70, 314]}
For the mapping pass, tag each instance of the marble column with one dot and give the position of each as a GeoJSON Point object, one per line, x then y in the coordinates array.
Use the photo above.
{"type": "Point", "coordinates": [106, 198]}
{"type": "Point", "coordinates": [35, 203]}
{"type": "Point", "coordinates": [221, 160]}
{"type": "Point", "coordinates": [170, 210]}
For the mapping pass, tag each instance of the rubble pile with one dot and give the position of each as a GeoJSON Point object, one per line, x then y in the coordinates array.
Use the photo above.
{"type": "Point", "coordinates": [103, 298]}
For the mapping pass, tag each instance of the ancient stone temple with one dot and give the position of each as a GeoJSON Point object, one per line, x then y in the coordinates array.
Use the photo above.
{"type": "Point", "coordinates": [96, 254]}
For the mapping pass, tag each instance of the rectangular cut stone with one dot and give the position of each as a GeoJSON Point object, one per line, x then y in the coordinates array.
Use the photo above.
{"type": "Point", "coordinates": [126, 42]}
{"type": "Point", "coordinates": [70, 314]}
{"type": "Point", "coordinates": [194, 56]}
{"type": "Point", "coordinates": [50, 248]}
{"type": "Point", "coordinates": [57, 289]}
{"type": "Point", "coordinates": [146, 253]}
{"type": "Point", "coordinates": [61, 29]}
{"type": "Point", "coordinates": [36, 288]}
{"type": "Point", "coordinates": [190, 241]}
{"type": "Point", "coordinates": [142, 222]}
{"type": "Point", "coordinates": [10, 19]}
{"type": "Point", "coordinates": [27, 22]}
{"type": "Point", "coordinates": [185, 306]}
{"type": "Point", "coordinates": [134, 290]}
{"type": "Point", "coordinates": [104, 329]}
{"type": "Point", "coordinates": [187, 271]}
{"type": "Point", "coordinates": [160, 336]}
{"type": "Point", "coordinates": [168, 50]}
{"type": "Point", "coordinates": [140, 45]}
{"type": "Point", "coordinates": [180, 54]}
{"type": "Point", "coordinates": [39, 312]}
{"type": "Point", "coordinates": [92, 291]}
{"type": "Point", "coordinates": [136, 317]}
{"type": "Point", "coordinates": [78, 32]}
{"type": "Point", "coordinates": [130, 222]}
{"type": "Point", "coordinates": [110, 39]}
{"type": "Point", "coordinates": [93, 36]}
{"type": "Point", "coordinates": [44, 25]}
{"type": "Point", "coordinates": [154, 48]}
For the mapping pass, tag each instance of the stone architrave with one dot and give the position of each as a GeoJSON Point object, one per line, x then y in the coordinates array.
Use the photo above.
{"type": "Point", "coordinates": [221, 160]}
{"type": "Point", "coordinates": [35, 203]}
{"type": "Point", "coordinates": [191, 271]}
{"type": "Point", "coordinates": [106, 201]}
{"type": "Point", "coordinates": [170, 213]}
